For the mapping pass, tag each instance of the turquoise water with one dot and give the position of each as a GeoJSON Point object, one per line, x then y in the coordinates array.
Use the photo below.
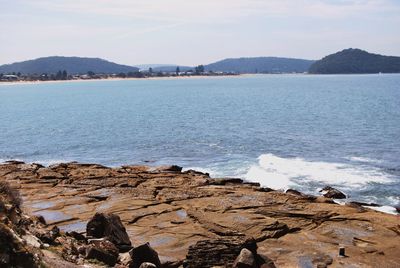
{"type": "Point", "coordinates": [298, 131]}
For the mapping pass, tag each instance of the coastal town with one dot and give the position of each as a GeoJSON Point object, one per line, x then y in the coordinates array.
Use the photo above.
{"type": "Point", "coordinates": [148, 73]}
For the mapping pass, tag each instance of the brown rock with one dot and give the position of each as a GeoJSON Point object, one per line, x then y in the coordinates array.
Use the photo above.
{"type": "Point", "coordinates": [110, 227]}
{"type": "Point", "coordinates": [245, 260]}
{"type": "Point", "coordinates": [144, 253]}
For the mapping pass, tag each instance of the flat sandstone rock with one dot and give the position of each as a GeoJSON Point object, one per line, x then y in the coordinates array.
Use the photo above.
{"type": "Point", "coordinates": [172, 210]}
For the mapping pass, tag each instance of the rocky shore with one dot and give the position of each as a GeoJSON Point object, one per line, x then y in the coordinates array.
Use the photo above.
{"type": "Point", "coordinates": [88, 215]}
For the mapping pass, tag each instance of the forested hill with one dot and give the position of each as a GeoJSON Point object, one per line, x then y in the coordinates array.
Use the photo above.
{"type": "Point", "coordinates": [355, 61]}
{"type": "Point", "coordinates": [261, 65]}
{"type": "Point", "coordinates": [73, 65]}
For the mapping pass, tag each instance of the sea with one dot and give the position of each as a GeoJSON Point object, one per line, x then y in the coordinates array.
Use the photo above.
{"type": "Point", "coordinates": [295, 131]}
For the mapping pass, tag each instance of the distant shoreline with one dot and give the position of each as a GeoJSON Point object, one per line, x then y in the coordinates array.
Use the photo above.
{"type": "Point", "coordinates": [120, 79]}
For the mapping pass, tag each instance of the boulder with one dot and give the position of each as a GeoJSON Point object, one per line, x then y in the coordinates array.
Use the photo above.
{"type": "Point", "coordinates": [245, 260]}
{"type": "Point", "coordinates": [110, 227]}
{"type": "Point", "coordinates": [331, 192]}
{"type": "Point", "coordinates": [144, 253]}
{"type": "Point", "coordinates": [397, 208]}
{"type": "Point", "coordinates": [102, 250]}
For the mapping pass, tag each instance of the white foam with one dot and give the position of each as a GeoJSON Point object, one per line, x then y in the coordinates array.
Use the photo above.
{"type": "Point", "coordinates": [385, 209]}
{"type": "Point", "coordinates": [280, 173]}
{"type": "Point", "coordinates": [363, 159]}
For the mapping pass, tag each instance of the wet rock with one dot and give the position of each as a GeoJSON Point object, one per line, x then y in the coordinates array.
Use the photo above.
{"type": "Point", "coordinates": [245, 260]}
{"type": "Point", "coordinates": [365, 204]}
{"type": "Point", "coordinates": [144, 253]}
{"type": "Point", "coordinates": [110, 227]}
{"type": "Point", "coordinates": [331, 192]}
{"type": "Point", "coordinates": [172, 168]}
{"type": "Point", "coordinates": [104, 251]}
{"type": "Point", "coordinates": [147, 265]}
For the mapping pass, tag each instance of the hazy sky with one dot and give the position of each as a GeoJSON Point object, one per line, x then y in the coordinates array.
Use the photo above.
{"type": "Point", "coordinates": [189, 32]}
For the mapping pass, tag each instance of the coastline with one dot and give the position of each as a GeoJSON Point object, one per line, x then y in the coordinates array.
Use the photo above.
{"type": "Point", "coordinates": [121, 79]}
{"type": "Point", "coordinates": [174, 210]}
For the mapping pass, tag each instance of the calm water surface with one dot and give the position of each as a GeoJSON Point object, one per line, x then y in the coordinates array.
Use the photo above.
{"type": "Point", "coordinates": [299, 131]}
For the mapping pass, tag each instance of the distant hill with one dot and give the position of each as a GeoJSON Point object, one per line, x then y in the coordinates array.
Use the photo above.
{"type": "Point", "coordinates": [73, 65]}
{"type": "Point", "coordinates": [261, 65]}
{"type": "Point", "coordinates": [355, 61]}
{"type": "Point", "coordinates": [172, 68]}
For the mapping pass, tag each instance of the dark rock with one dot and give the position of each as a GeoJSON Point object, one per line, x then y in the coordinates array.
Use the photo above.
{"type": "Point", "coordinates": [219, 252]}
{"type": "Point", "coordinates": [110, 227]}
{"type": "Point", "coordinates": [144, 253]}
{"type": "Point", "coordinates": [104, 251]}
{"type": "Point", "coordinates": [172, 168]}
{"type": "Point", "coordinates": [194, 172]}
{"type": "Point", "coordinates": [265, 189]}
{"type": "Point", "coordinates": [365, 204]}
{"type": "Point", "coordinates": [77, 236]}
{"type": "Point", "coordinates": [331, 192]}
{"type": "Point", "coordinates": [294, 192]}
{"type": "Point", "coordinates": [225, 181]}
{"type": "Point", "coordinates": [172, 264]}
{"type": "Point", "coordinates": [245, 260]}
{"type": "Point", "coordinates": [300, 194]}
{"type": "Point", "coordinates": [397, 208]}
{"type": "Point", "coordinates": [49, 237]}
{"type": "Point", "coordinates": [264, 262]}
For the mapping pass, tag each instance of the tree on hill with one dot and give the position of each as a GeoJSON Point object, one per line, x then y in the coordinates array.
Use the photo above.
{"type": "Point", "coordinates": [199, 69]}
{"type": "Point", "coordinates": [356, 61]}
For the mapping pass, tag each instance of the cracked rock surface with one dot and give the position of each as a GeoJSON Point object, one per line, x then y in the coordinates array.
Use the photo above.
{"type": "Point", "coordinates": [173, 210]}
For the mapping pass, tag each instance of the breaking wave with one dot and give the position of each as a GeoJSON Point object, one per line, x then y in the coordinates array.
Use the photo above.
{"type": "Point", "coordinates": [281, 173]}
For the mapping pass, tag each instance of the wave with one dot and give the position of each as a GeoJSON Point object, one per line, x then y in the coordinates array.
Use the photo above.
{"type": "Point", "coordinates": [363, 159]}
{"type": "Point", "coordinates": [282, 173]}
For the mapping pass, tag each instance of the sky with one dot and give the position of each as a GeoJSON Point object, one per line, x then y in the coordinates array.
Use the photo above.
{"type": "Point", "coordinates": [188, 32]}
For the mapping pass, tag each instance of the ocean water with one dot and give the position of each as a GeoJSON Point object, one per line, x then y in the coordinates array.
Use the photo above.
{"type": "Point", "coordinates": [284, 131]}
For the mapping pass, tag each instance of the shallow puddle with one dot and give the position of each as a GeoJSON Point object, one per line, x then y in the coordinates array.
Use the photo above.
{"type": "Point", "coordinates": [79, 227]}
{"type": "Point", "coordinates": [52, 216]}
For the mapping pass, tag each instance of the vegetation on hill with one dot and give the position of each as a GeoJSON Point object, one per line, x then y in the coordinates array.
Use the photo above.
{"type": "Point", "coordinates": [260, 65]}
{"type": "Point", "coordinates": [355, 61]}
{"type": "Point", "coordinates": [72, 65]}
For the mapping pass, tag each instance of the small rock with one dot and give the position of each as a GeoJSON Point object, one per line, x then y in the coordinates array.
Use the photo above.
{"type": "Point", "coordinates": [147, 265]}
{"type": "Point", "coordinates": [110, 227]}
{"type": "Point", "coordinates": [76, 235]}
{"type": "Point", "coordinates": [32, 241]}
{"type": "Point", "coordinates": [144, 253]}
{"type": "Point", "coordinates": [245, 260]}
{"type": "Point", "coordinates": [172, 168]}
{"type": "Point", "coordinates": [104, 251]}
{"type": "Point", "coordinates": [331, 192]}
